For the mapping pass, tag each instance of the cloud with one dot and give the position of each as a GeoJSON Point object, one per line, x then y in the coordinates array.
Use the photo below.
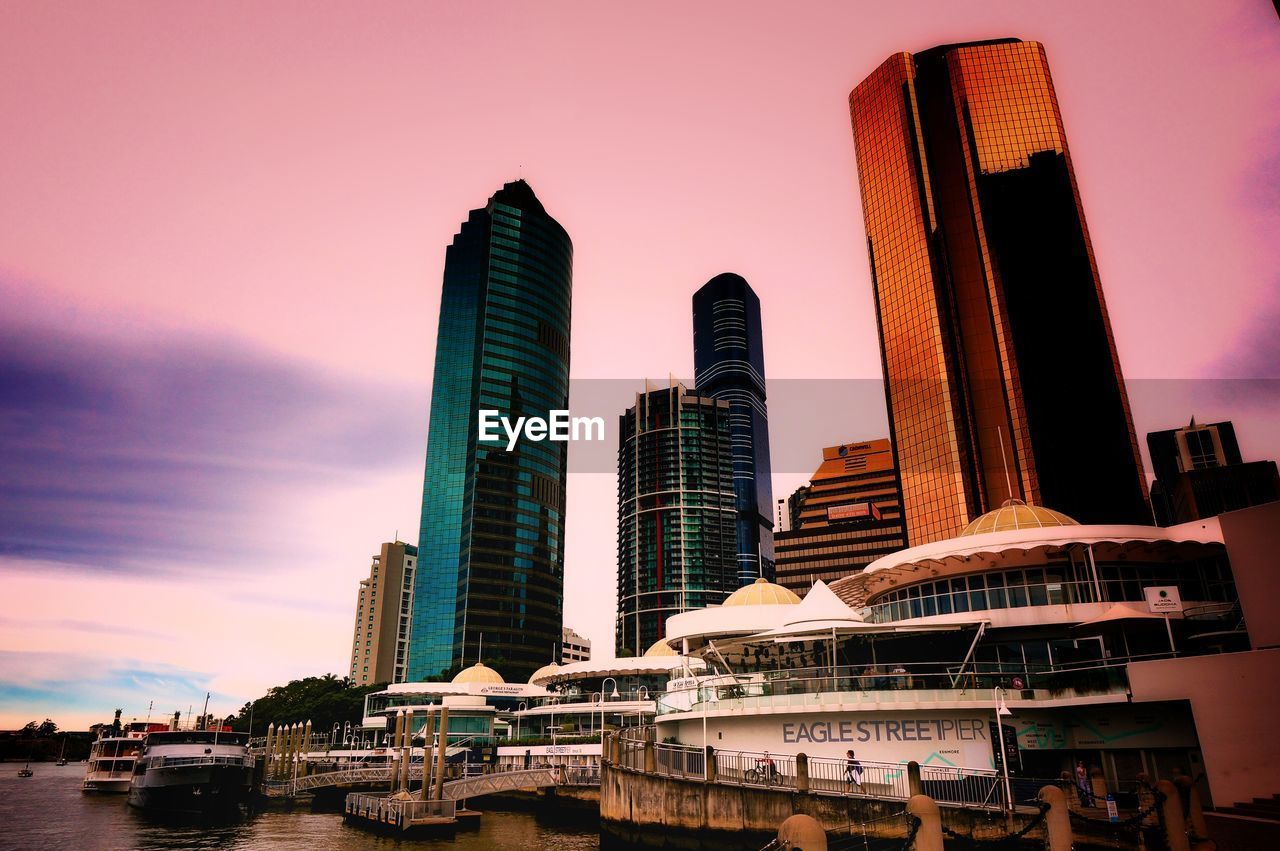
{"type": "Point", "coordinates": [146, 452]}
{"type": "Point", "coordinates": [79, 688]}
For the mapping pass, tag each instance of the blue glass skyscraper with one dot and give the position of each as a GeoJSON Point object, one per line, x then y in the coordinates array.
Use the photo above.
{"type": "Point", "coordinates": [491, 542]}
{"type": "Point", "coordinates": [728, 364]}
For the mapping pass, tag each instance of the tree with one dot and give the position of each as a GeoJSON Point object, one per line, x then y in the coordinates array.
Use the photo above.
{"type": "Point", "coordinates": [46, 728]}
{"type": "Point", "coordinates": [324, 701]}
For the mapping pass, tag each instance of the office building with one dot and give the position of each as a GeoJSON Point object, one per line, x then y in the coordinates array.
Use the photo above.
{"type": "Point", "coordinates": [492, 533]}
{"type": "Point", "coordinates": [728, 364]}
{"type": "Point", "coordinates": [1002, 379]}
{"type": "Point", "coordinates": [789, 511]}
{"type": "Point", "coordinates": [848, 516]}
{"type": "Point", "coordinates": [677, 512]}
{"type": "Point", "coordinates": [573, 647]}
{"type": "Point", "coordinates": [1200, 473]}
{"type": "Point", "coordinates": [380, 643]}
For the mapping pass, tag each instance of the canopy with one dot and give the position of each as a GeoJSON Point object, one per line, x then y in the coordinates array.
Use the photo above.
{"type": "Point", "coordinates": [1120, 612]}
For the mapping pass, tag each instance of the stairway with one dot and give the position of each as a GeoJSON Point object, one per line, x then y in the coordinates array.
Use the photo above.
{"type": "Point", "coordinates": [1263, 808]}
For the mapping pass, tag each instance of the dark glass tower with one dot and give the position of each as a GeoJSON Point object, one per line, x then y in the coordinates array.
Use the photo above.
{"type": "Point", "coordinates": [491, 543]}
{"type": "Point", "coordinates": [677, 542]}
{"type": "Point", "coordinates": [1001, 374]}
{"type": "Point", "coordinates": [728, 364]}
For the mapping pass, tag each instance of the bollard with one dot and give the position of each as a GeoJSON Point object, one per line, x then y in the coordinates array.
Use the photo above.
{"type": "Point", "coordinates": [1057, 822]}
{"type": "Point", "coordinates": [1195, 810]}
{"type": "Point", "coordinates": [929, 834]}
{"type": "Point", "coordinates": [914, 784]}
{"type": "Point", "coordinates": [802, 833]}
{"type": "Point", "coordinates": [710, 757]}
{"type": "Point", "coordinates": [1175, 826]}
{"type": "Point", "coordinates": [802, 772]}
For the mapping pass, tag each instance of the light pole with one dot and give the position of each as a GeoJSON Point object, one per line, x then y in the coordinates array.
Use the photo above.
{"type": "Point", "coordinates": [614, 696]}
{"type": "Point", "coordinates": [1001, 710]}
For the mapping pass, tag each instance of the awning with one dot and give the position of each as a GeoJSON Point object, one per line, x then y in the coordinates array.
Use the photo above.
{"type": "Point", "coordinates": [1118, 613]}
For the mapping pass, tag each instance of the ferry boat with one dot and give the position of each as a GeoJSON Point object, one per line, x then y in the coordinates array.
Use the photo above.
{"type": "Point", "coordinates": [112, 757]}
{"type": "Point", "coordinates": [192, 771]}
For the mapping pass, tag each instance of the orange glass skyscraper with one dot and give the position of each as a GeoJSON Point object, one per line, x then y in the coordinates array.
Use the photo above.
{"type": "Point", "coordinates": [1001, 373]}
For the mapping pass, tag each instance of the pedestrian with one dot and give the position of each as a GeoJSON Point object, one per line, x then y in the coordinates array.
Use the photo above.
{"type": "Point", "coordinates": [852, 771]}
{"type": "Point", "coordinates": [1083, 784]}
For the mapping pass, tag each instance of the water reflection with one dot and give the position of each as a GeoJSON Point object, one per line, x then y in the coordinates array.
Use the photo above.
{"type": "Point", "coordinates": [49, 811]}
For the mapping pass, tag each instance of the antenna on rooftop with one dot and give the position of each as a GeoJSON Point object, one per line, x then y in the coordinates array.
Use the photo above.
{"type": "Point", "coordinates": [1005, 462]}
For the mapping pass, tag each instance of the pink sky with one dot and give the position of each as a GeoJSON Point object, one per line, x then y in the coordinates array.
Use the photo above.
{"type": "Point", "coordinates": [282, 178]}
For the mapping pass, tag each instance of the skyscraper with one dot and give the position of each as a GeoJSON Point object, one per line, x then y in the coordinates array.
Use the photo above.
{"type": "Point", "coordinates": [379, 648]}
{"type": "Point", "coordinates": [1200, 473]}
{"type": "Point", "coordinates": [491, 542]}
{"type": "Point", "coordinates": [848, 516]}
{"type": "Point", "coordinates": [677, 514]}
{"type": "Point", "coordinates": [1001, 374]}
{"type": "Point", "coordinates": [728, 363]}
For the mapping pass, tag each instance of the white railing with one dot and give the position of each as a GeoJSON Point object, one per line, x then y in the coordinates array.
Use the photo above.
{"type": "Point", "coordinates": [395, 811]}
{"type": "Point", "coordinates": [949, 786]}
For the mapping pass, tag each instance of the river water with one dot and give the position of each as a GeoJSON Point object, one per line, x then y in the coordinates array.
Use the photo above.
{"type": "Point", "coordinates": [49, 811]}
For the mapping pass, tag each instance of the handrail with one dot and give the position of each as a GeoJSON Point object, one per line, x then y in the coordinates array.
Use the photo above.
{"type": "Point", "coordinates": [977, 788]}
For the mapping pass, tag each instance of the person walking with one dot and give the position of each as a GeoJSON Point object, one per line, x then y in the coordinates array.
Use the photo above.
{"type": "Point", "coordinates": [1083, 784]}
{"type": "Point", "coordinates": [852, 771]}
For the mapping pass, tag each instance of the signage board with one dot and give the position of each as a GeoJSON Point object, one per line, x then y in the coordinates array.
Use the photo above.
{"type": "Point", "coordinates": [853, 511]}
{"type": "Point", "coordinates": [1163, 599]}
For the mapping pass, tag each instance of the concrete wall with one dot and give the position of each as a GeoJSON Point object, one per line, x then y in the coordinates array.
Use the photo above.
{"type": "Point", "coordinates": [670, 812]}
{"type": "Point", "coordinates": [1234, 699]}
{"type": "Point", "coordinates": [1252, 538]}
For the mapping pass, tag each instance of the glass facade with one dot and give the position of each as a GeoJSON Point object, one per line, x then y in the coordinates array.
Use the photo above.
{"type": "Point", "coordinates": [491, 540]}
{"type": "Point", "coordinates": [728, 363]}
{"type": "Point", "coordinates": [1001, 374]}
{"type": "Point", "coordinates": [677, 512]}
{"type": "Point", "coordinates": [1203, 581]}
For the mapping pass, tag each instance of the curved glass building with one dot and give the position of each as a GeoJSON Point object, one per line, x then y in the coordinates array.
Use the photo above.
{"type": "Point", "coordinates": [491, 541]}
{"type": "Point", "coordinates": [728, 364]}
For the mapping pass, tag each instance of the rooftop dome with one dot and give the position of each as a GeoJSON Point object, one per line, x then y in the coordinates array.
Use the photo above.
{"type": "Point", "coordinates": [1016, 514]}
{"type": "Point", "coordinates": [479, 673]}
{"type": "Point", "coordinates": [544, 671]}
{"type": "Point", "coordinates": [760, 593]}
{"type": "Point", "coordinates": [660, 648]}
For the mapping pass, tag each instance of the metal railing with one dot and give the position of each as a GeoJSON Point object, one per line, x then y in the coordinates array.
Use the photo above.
{"type": "Point", "coordinates": [903, 682]}
{"type": "Point", "coordinates": [176, 761]}
{"type": "Point", "coordinates": [949, 786]}
{"type": "Point", "coordinates": [397, 812]}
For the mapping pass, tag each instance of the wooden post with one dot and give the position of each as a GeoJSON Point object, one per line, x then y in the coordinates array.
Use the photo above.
{"type": "Point", "coordinates": [710, 757]}
{"type": "Point", "coordinates": [802, 772]}
{"type": "Point", "coordinates": [428, 732]}
{"type": "Point", "coordinates": [1057, 821]}
{"type": "Point", "coordinates": [440, 751]}
{"type": "Point", "coordinates": [929, 834]}
{"type": "Point", "coordinates": [1175, 826]}
{"type": "Point", "coordinates": [650, 757]}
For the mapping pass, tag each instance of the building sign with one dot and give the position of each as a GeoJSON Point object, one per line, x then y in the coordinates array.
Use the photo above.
{"type": "Point", "coordinates": [853, 511]}
{"type": "Point", "coordinates": [1163, 599]}
{"type": "Point", "coordinates": [513, 690]}
{"type": "Point", "coordinates": [933, 738]}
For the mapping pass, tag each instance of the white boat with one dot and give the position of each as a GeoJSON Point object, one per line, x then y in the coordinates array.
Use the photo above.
{"type": "Point", "coordinates": [112, 757]}
{"type": "Point", "coordinates": [192, 771]}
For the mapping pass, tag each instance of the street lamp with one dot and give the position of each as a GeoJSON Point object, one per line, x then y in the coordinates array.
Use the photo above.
{"type": "Point", "coordinates": [1002, 710]}
{"type": "Point", "coordinates": [615, 696]}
